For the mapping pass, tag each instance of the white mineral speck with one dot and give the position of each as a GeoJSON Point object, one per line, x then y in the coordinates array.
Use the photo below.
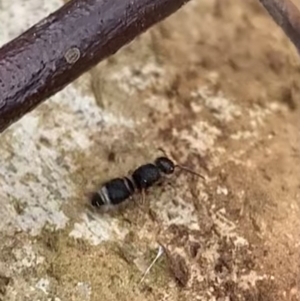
{"type": "Point", "coordinates": [43, 285]}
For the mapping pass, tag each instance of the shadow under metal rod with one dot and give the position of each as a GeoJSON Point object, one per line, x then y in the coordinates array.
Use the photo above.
{"type": "Point", "coordinates": [287, 16]}
{"type": "Point", "coordinates": [57, 50]}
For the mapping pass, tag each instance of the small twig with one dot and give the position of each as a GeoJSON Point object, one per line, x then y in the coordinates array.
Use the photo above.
{"type": "Point", "coordinates": [57, 50]}
{"type": "Point", "coordinates": [159, 253]}
{"type": "Point", "coordinates": [287, 16]}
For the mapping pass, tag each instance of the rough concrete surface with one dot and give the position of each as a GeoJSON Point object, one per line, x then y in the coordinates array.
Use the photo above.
{"type": "Point", "coordinates": [217, 86]}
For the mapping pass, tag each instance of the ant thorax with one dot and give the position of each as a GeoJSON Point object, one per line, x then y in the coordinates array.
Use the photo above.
{"type": "Point", "coordinates": [146, 176]}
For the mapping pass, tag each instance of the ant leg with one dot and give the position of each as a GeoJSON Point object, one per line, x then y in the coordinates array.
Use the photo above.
{"type": "Point", "coordinates": [129, 173]}
{"type": "Point", "coordinates": [143, 196]}
{"type": "Point", "coordinates": [138, 202]}
{"type": "Point", "coordinates": [135, 201]}
{"type": "Point", "coordinates": [162, 151]}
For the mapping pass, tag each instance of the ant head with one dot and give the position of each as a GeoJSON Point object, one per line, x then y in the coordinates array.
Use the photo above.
{"type": "Point", "coordinates": [165, 165]}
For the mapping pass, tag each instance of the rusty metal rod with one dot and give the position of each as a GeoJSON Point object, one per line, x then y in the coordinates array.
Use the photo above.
{"type": "Point", "coordinates": [57, 50]}
{"type": "Point", "coordinates": [287, 16]}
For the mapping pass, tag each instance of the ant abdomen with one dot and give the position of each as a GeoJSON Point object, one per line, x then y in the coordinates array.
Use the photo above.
{"type": "Point", "coordinates": [113, 192]}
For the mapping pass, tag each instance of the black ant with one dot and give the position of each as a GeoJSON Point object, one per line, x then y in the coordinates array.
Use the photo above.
{"type": "Point", "coordinates": [118, 190]}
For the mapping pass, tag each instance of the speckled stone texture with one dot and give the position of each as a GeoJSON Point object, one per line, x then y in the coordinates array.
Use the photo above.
{"type": "Point", "coordinates": [216, 85]}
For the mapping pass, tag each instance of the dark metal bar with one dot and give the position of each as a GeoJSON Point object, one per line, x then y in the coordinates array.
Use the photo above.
{"type": "Point", "coordinates": [57, 50]}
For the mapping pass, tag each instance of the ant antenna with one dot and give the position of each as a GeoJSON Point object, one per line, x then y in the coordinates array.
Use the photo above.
{"type": "Point", "coordinates": [163, 151]}
{"type": "Point", "coordinates": [159, 253]}
{"type": "Point", "coordinates": [190, 171]}
{"type": "Point", "coordinates": [143, 196]}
